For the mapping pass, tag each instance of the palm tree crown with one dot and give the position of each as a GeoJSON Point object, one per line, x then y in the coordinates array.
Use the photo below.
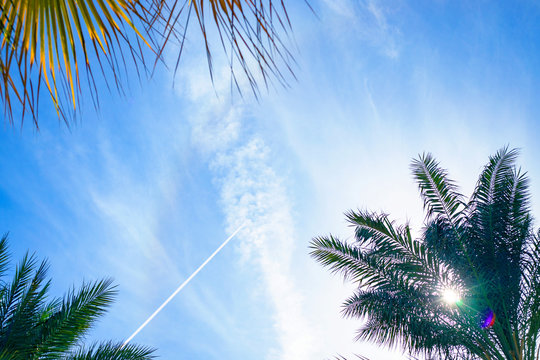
{"type": "Point", "coordinates": [34, 327]}
{"type": "Point", "coordinates": [468, 288]}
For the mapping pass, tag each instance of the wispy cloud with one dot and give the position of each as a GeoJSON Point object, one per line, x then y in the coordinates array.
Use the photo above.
{"type": "Point", "coordinates": [252, 192]}
{"type": "Point", "coordinates": [371, 22]}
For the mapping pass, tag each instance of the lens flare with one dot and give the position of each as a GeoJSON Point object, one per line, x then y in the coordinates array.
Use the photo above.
{"type": "Point", "coordinates": [488, 319]}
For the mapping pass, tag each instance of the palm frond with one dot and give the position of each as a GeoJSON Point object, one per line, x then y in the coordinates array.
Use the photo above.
{"type": "Point", "coordinates": [499, 226]}
{"type": "Point", "coordinates": [437, 190]}
{"type": "Point", "coordinates": [112, 351]}
{"type": "Point", "coordinates": [499, 203]}
{"type": "Point", "coordinates": [339, 256]}
{"type": "Point", "coordinates": [369, 269]}
{"type": "Point", "coordinates": [377, 232]}
{"type": "Point", "coordinates": [14, 292]}
{"type": "Point", "coordinates": [445, 246]}
{"type": "Point", "coordinates": [529, 312]}
{"type": "Point", "coordinates": [250, 33]}
{"type": "Point", "coordinates": [77, 313]}
{"type": "Point", "coordinates": [33, 327]}
{"type": "Point", "coordinates": [19, 330]}
{"type": "Point", "coordinates": [50, 41]}
{"type": "Point", "coordinates": [60, 47]}
{"type": "Point", "coordinates": [492, 181]}
{"type": "Point", "coordinates": [4, 255]}
{"type": "Point", "coordinates": [373, 270]}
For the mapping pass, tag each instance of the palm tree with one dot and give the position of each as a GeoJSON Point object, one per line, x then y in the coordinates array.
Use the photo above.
{"type": "Point", "coordinates": [468, 288]}
{"type": "Point", "coordinates": [34, 327]}
{"type": "Point", "coordinates": [46, 43]}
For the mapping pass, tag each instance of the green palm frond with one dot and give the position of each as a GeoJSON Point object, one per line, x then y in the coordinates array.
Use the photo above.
{"type": "Point", "coordinates": [445, 245]}
{"type": "Point", "coordinates": [70, 321]}
{"type": "Point", "coordinates": [33, 327]}
{"type": "Point", "coordinates": [439, 193]}
{"type": "Point", "coordinates": [4, 255]}
{"type": "Point", "coordinates": [13, 293]}
{"type": "Point", "coordinates": [499, 227]}
{"type": "Point", "coordinates": [369, 269]}
{"type": "Point", "coordinates": [377, 232]}
{"type": "Point", "coordinates": [111, 351]}
{"type": "Point", "coordinates": [498, 203]}
{"type": "Point", "coordinates": [20, 328]}
{"type": "Point", "coordinates": [492, 182]}
{"type": "Point", "coordinates": [340, 257]}
{"type": "Point", "coordinates": [529, 314]}
{"type": "Point", "coordinates": [519, 197]}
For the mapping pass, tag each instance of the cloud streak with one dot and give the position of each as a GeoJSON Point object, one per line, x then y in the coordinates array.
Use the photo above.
{"type": "Point", "coordinates": [252, 192]}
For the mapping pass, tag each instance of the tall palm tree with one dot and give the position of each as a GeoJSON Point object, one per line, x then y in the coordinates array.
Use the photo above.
{"type": "Point", "coordinates": [35, 327]}
{"type": "Point", "coordinates": [45, 43]}
{"type": "Point", "coordinates": [468, 288]}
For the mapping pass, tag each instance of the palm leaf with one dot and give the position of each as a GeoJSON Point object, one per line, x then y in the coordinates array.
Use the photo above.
{"type": "Point", "coordinates": [50, 41]}
{"type": "Point", "coordinates": [377, 232]}
{"type": "Point", "coordinates": [250, 34]}
{"type": "Point", "coordinates": [4, 255]}
{"type": "Point", "coordinates": [19, 330]}
{"type": "Point", "coordinates": [439, 193]}
{"type": "Point", "coordinates": [340, 257]}
{"type": "Point", "coordinates": [111, 351]}
{"type": "Point", "coordinates": [31, 327]}
{"type": "Point", "coordinates": [14, 292]}
{"type": "Point", "coordinates": [493, 178]}
{"type": "Point", "coordinates": [529, 314]}
{"type": "Point", "coordinates": [499, 225]}
{"type": "Point", "coordinates": [62, 44]}
{"type": "Point", "coordinates": [78, 311]}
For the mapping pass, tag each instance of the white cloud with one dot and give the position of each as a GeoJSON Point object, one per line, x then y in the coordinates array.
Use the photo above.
{"type": "Point", "coordinates": [252, 192]}
{"type": "Point", "coordinates": [369, 21]}
{"type": "Point", "coordinates": [341, 7]}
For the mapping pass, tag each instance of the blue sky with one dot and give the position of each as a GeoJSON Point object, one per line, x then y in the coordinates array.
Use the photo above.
{"type": "Point", "coordinates": [145, 190]}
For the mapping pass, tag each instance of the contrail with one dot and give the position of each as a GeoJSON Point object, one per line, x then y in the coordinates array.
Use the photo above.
{"type": "Point", "coordinates": [181, 286]}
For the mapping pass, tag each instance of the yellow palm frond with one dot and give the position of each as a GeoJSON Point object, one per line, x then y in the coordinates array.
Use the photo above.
{"type": "Point", "coordinates": [249, 32]}
{"type": "Point", "coordinates": [61, 43]}
{"type": "Point", "coordinates": [50, 41]}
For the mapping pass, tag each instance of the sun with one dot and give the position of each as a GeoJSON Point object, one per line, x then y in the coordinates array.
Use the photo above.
{"type": "Point", "coordinates": [451, 296]}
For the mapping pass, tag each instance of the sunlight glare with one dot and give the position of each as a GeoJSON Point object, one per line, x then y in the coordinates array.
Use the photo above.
{"type": "Point", "coordinates": [451, 296]}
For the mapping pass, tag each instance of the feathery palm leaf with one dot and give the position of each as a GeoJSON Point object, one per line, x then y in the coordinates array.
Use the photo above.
{"type": "Point", "coordinates": [438, 191]}
{"type": "Point", "coordinates": [33, 327]}
{"type": "Point", "coordinates": [111, 351]}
